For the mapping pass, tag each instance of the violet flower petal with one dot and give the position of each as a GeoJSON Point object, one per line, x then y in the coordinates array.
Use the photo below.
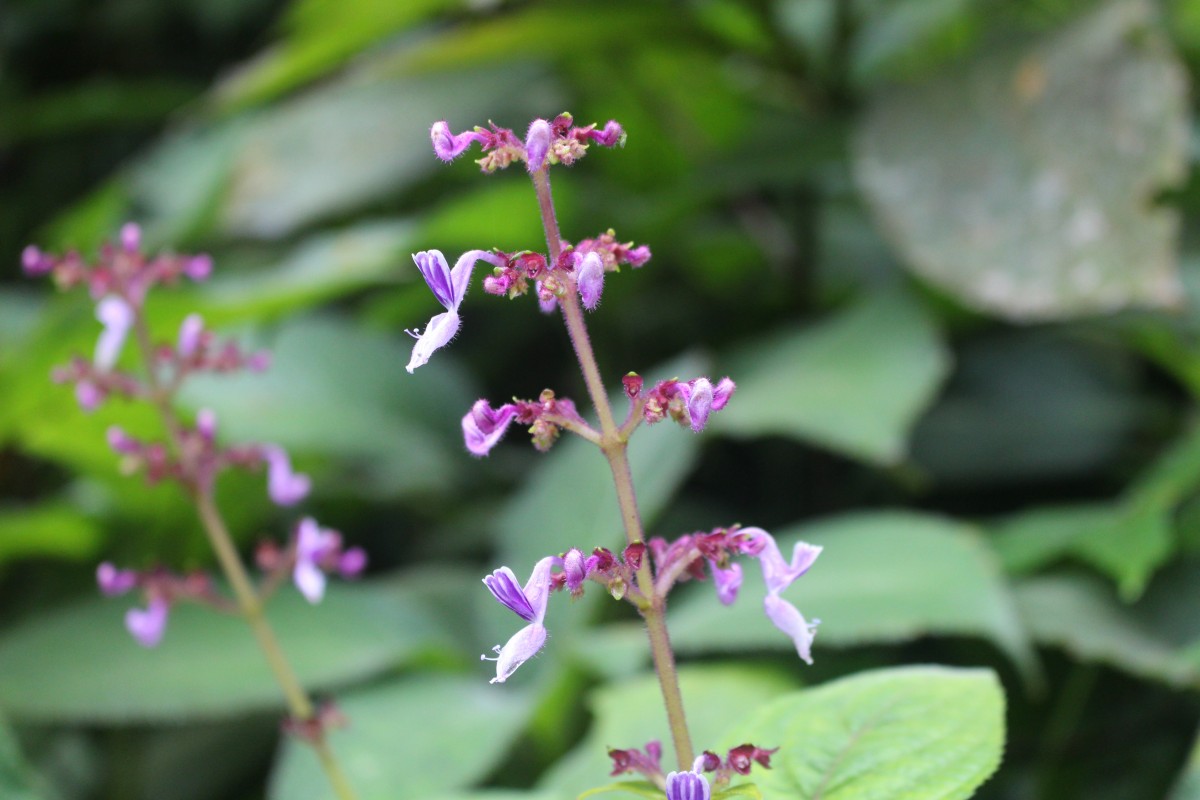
{"type": "Point", "coordinates": [189, 335]}
{"type": "Point", "coordinates": [777, 573]}
{"type": "Point", "coordinates": [722, 392]}
{"type": "Point", "coordinates": [446, 145]}
{"type": "Point", "coordinates": [483, 427]}
{"type": "Point", "coordinates": [147, 626]}
{"type": "Point", "coordinates": [687, 786]}
{"type": "Point", "coordinates": [788, 619]}
{"type": "Point", "coordinates": [537, 144]}
{"type": "Point", "coordinates": [117, 317]}
{"type": "Point", "coordinates": [113, 581]}
{"type": "Point", "coordinates": [312, 545]}
{"type": "Point", "coordinates": [502, 583]}
{"type": "Point", "coordinates": [700, 403]}
{"type": "Point", "coordinates": [438, 333]}
{"type": "Point", "coordinates": [727, 581]}
{"type": "Point", "coordinates": [590, 278]}
{"type": "Point", "coordinates": [436, 273]}
{"type": "Point", "coordinates": [523, 646]}
{"type": "Point", "coordinates": [285, 487]}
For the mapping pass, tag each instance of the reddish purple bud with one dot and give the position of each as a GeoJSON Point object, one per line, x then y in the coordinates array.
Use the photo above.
{"type": "Point", "coordinates": [742, 758]}
{"type": "Point", "coordinates": [198, 267]}
{"type": "Point", "coordinates": [601, 560]}
{"type": "Point", "coordinates": [613, 134]}
{"type": "Point", "coordinates": [497, 284]}
{"type": "Point", "coordinates": [537, 144]}
{"type": "Point", "coordinates": [633, 555]}
{"type": "Point", "coordinates": [113, 581]}
{"type": "Point", "coordinates": [131, 237]}
{"type": "Point", "coordinates": [633, 385]}
{"type": "Point", "coordinates": [708, 761]}
{"type": "Point", "coordinates": [638, 256]}
{"type": "Point", "coordinates": [34, 262]}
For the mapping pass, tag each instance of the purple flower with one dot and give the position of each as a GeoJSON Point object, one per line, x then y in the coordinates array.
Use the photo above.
{"type": "Point", "coordinates": [537, 144]}
{"type": "Point", "coordinates": [117, 317]}
{"type": "Point", "coordinates": [687, 786]}
{"type": "Point", "coordinates": [206, 424]}
{"type": "Point", "coordinates": [590, 277]}
{"type": "Point", "coordinates": [484, 426]}
{"type": "Point", "coordinates": [446, 145]}
{"type": "Point", "coordinates": [198, 267]}
{"type": "Point", "coordinates": [575, 570]}
{"type": "Point", "coordinates": [286, 488]}
{"type": "Point", "coordinates": [727, 581]}
{"type": "Point", "coordinates": [313, 545]}
{"type": "Point", "coordinates": [779, 574]}
{"type": "Point", "coordinates": [352, 562]}
{"type": "Point", "coordinates": [34, 262]}
{"type": "Point", "coordinates": [147, 626]}
{"type": "Point", "coordinates": [131, 237]}
{"type": "Point", "coordinates": [88, 395]}
{"type": "Point", "coordinates": [528, 603]}
{"type": "Point", "coordinates": [448, 286]}
{"type": "Point", "coordinates": [703, 399]}
{"type": "Point", "coordinates": [190, 331]}
{"type": "Point", "coordinates": [113, 581]}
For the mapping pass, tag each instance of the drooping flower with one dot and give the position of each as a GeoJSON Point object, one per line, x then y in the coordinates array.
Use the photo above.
{"type": "Point", "coordinates": [285, 487]}
{"type": "Point", "coordinates": [313, 544]}
{"type": "Point", "coordinates": [528, 603]}
{"type": "Point", "coordinates": [446, 145]}
{"type": "Point", "coordinates": [117, 318]}
{"type": "Point", "coordinates": [590, 278]}
{"type": "Point", "coordinates": [449, 286]}
{"type": "Point", "coordinates": [148, 625]}
{"type": "Point", "coordinates": [688, 785]}
{"type": "Point", "coordinates": [778, 575]}
{"type": "Point", "coordinates": [484, 426]}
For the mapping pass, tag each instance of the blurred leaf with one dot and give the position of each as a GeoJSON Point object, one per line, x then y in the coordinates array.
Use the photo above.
{"type": "Point", "coordinates": [417, 737]}
{"type": "Point", "coordinates": [1128, 539]}
{"type": "Point", "coordinates": [217, 758]}
{"type": "Point", "coordinates": [17, 780]}
{"type": "Point", "coordinates": [50, 529]}
{"type": "Point", "coordinates": [883, 577]}
{"type": "Point", "coordinates": [1029, 407]}
{"type": "Point", "coordinates": [1081, 616]}
{"type": "Point", "coordinates": [855, 384]}
{"type": "Point", "coordinates": [322, 36]}
{"type": "Point", "coordinates": [80, 665]}
{"type": "Point", "coordinates": [571, 495]}
{"type": "Point", "coordinates": [636, 788]}
{"type": "Point", "coordinates": [630, 713]}
{"type": "Point", "coordinates": [986, 177]}
{"type": "Point", "coordinates": [1188, 787]}
{"type": "Point", "coordinates": [907, 38]}
{"type": "Point", "coordinates": [909, 732]}
{"type": "Point", "coordinates": [97, 104]}
{"type": "Point", "coordinates": [383, 420]}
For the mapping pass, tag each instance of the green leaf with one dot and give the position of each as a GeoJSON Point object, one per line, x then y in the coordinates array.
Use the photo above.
{"type": "Point", "coordinates": [911, 732]}
{"type": "Point", "coordinates": [661, 456]}
{"type": "Point", "coordinates": [986, 180]}
{"type": "Point", "coordinates": [855, 384]}
{"type": "Point", "coordinates": [1188, 787]}
{"type": "Point", "coordinates": [383, 417]}
{"type": "Point", "coordinates": [882, 577]}
{"type": "Point", "coordinates": [80, 665]}
{"type": "Point", "coordinates": [51, 529]}
{"type": "Point", "coordinates": [1081, 616]}
{"type": "Point", "coordinates": [639, 788]}
{"type": "Point", "coordinates": [17, 779]}
{"type": "Point", "coordinates": [425, 734]}
{"type": "Point", "coordinates": [630, 713]}
{"type": "Point", "coordinates": [741, 790]}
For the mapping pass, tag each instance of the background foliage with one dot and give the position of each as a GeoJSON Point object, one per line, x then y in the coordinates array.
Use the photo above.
{"type": "Point", "coordinates": [948, 248]}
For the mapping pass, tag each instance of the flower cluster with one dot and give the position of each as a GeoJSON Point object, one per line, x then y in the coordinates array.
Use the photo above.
{"type": "Point", "coordinates": [119, 280]}
{"type": "Point", "coordinates": [484, 426]}
{"type": "Point", "coordinates": [693, 783]}
{"type": "Point", "coordinates": [690, 557]}
{"type": "Point", "coordinates": [687, 402]}
{"type": "Point", "coordinates": [556, 141]}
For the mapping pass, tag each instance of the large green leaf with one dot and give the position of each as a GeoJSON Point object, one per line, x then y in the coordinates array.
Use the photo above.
{"type": "Point", "coordinates": [51, 529]}
{"type": "Point", "coordinates": [855, 384]}
{"type": "Point", "coordinates": [914, 732]}
{"type": "Point", "coordinates": [986, 177]}
{"type": "Point", "coordinates": [79, 664]}
{"type": "Point", "coordinates": [630, 713]}
{"type": "Point", "coordinates": [17, 781]}
{"type": "Point", "coordinates": [882, 577]}
{"type": "Point", "coordinates": [418, 737]}
{"type": "Point", "coordinates": [1081, 616]}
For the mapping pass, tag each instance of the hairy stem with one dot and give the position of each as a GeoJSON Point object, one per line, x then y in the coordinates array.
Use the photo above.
{"type": "Point", "coordinates": [613, 443]}
{"type": "Point", "coordinates": [300, 706]}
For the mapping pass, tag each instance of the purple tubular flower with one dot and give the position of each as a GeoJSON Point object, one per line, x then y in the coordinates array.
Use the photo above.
{"type": "Point", "coordinates": [189, 335]}
{"type": "Point", "coordinates": [788, 619]}
{"type": "Point", "coordinates": [575, 570]}
{"type": "Point", "coordinates": [727, 581]}
{"type": "Point", "coordinates": [687, 786]}
{"type": "Point", "coordinates": [312, 545]}
{"type": "Point", "coordinates": [446, 145]}
{"type": "Point", "coordinates": [722, 392]}
{"type": "Point", "coordinates": [484, 426]}
{"type": "Point", "coordinates": [537, 144]}
{"type": "Point", "coordinates": [148, 625]}
{"type": "Point", "coordinates": [612, 134]}
{"type": "Point", "coordinates": [117, 318]}
{"type": "Point", "coordinates": [590, 277]}
{"type": "Point", "coordinates": [113, 581]}
{"type": "Point", "coordinates": [285, 487]}
{"type": "Point", "coordinates": [779, 574]}
{"type": "Point", "coordinates": [131, 237]}
{"type": "Point", "coordinates": [529, 603]}
{"type": "Point", "coordinates": [700, 403]}
{"type": "Point", "coordinates": [449, 286]}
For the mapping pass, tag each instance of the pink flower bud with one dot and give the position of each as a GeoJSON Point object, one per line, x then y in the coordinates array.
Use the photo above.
{"type": "Point", "coordinates": [590, 277]}
{"type": "Point", "coordinates": [198, 267]}
{"type": "Point", "coordinates": [131, 237]}
{"type": "Point", "coordinates": [34, 262]}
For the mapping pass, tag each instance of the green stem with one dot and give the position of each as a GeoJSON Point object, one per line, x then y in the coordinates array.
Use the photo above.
{"type": "Point", "coordinates": [300, 706]}
{"type": "Point", "coordinates": [614, 443]}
